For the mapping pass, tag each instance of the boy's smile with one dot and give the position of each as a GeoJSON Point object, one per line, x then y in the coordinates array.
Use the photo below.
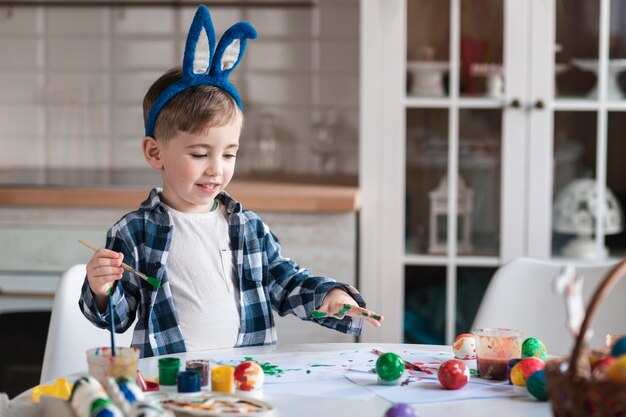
{"type": "Point", "coordinates": [195, 167]}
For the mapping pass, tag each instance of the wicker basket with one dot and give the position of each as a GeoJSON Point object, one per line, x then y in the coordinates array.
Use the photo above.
{"type": "Point", "coordinates": [572, 391]}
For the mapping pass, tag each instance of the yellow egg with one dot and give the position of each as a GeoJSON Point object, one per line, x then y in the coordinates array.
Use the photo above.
{"type": "Point", "coordinates": [617, 371]}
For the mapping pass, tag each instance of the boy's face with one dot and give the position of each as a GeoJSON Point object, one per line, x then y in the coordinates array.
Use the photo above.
{"type": "Point", "coordinates": [195, 167]}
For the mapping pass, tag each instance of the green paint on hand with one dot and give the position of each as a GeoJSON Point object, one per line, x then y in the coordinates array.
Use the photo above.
{"type": "Point", "coordinates": [376, 317]}
{"type": "Point", "coordinates": [318, 314]}
{"type": "Point", "coordinates": [365, 314]}
{"type": "Point", "coordinates": [343, 311]}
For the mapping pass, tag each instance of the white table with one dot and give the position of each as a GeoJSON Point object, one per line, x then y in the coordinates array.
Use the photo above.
{"type": "Point", "coordinates": [307, 406]}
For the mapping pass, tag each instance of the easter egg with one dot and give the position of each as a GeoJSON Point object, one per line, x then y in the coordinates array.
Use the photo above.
{"type": "Point", "coordinates": [512, 363]}
{"type": "Point", "coordinates": [464, 347]}
{"type": "Point", "coordinates": [249, 376]}
{"type": "Point", "coordinates": [537, 386]}
{"type": "Point", "coordinates": [389, 368]}
{"type": "Point", "coordinates": [533, 347]}
{"type": "Point", "coordinates": [617, 371]}
{"type": "Point", "coordinates": [401, 410]}
{"type": "Point", "coordinates": [523, 369]}
{"type": "Point", "coordinates": [619, 348]}
{"type": "Point", "coordinates": [453, 374]}
{"type": "Point", "coordinates": [601, 368]}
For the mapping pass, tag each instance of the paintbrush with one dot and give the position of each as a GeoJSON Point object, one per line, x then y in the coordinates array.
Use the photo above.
{"type": "Point", "coordinates": [152, 281]}
{"type": "Point", "coordinates": [407, 364]}
{"type": "Point", "coordinates": [112, 327]}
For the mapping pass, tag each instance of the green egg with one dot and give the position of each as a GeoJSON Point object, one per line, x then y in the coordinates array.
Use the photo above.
{"type": "Point", "coordinates": [533, 347]}
{"type": "Point", "coordinates": [536, 385]}
{"type": "Point", "coordinates": [389, 367]}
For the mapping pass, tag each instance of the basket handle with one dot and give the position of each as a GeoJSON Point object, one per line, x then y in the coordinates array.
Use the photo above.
{"type": "Point", "coordinates": [602, 291]}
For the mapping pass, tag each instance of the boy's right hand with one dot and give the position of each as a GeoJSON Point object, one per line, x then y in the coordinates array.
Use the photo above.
{"type": "Point", "coordinates": [103, 269]}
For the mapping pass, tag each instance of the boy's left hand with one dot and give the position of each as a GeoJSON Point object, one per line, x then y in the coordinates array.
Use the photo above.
{"type": "Point", "coordinates": [338, 304]}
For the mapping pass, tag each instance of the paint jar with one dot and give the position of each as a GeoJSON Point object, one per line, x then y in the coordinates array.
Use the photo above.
{"type": "Point", "coordinates": [189, 381]}
{"type": "Point", "coordinates": [168, 370]}
{"type": "Point", "coordinates": [223, 379]}
{"type": "Point", "coordinates": [200, 365]}
{"type": "Point", "coordinates": [494, 349]}
{"type": "Point", "coordinates": [102, 364]}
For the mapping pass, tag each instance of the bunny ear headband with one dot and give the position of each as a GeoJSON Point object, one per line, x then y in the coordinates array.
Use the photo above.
{"type": "Point", "coordinates": [205, 64]}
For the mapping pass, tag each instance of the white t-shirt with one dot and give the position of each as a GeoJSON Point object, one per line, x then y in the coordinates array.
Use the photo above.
{"type": "Point", "coordinates": [202, 276]}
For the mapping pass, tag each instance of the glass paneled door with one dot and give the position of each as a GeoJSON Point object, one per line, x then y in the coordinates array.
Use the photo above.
{"type": "Point", "coordinates": [586, 190]}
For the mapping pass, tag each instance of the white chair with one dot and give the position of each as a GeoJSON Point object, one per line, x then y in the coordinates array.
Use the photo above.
{"type": "Point", "coordinates": [520, 296]}
{"type": "Point", "coordinates": [70, 334]}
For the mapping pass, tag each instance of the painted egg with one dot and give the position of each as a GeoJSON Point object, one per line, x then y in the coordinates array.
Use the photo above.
{"type": "Point", "coordinates": [249, 376]}
{"type": "Point", "coordinates": [617, 371]}
{"type": "Point", "coordinates": [453, 374]}
{"type": "Point", "coordinates": [601, 368]}
{"type": "Point", "coordinates": [389, 368]}
{"type": "Point", "coordinates": [523, 369]}
{"type": "Point", "coordinates": [401, 410]}
{"type": "Point", "coordinates": [512, 363]}
{"type": "Point", "coordinates": [464, 346]}
{"type": "Point", "coordinates": [619, 348]}
{"type": "Point", "coordinates": [537, 386]}
{"type": "Point", "coordinates": [533, 347]}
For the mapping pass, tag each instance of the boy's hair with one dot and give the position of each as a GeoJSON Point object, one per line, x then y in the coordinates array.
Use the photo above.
{"type": "Point", "coordinates": [190, 111]}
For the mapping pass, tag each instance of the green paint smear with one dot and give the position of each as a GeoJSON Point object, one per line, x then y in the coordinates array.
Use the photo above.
{"type": "Point", "coordinates": [318, 314]}
{"type": "Point", "coordinates": [473, 372]}
{"type": "Point", "coordinates": [365, 314]}
{"type": "Point", "coordinates": [376, 317]}
{"type": "Point", "coordinates": [343, 311]}
{"type": "Point", "coordinates": [308, 371]}
{"type": "Point", "coordinates": [268, 368]}
{"type": "Point", "coordinates": [317, 365]}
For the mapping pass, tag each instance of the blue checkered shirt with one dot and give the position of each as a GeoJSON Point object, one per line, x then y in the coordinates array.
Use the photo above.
{"type": "Point", "coordinates": [266, 280]}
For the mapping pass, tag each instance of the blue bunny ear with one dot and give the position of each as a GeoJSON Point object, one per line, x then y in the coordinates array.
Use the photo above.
{"type": "Point", "coordinates": [230, 49]}
{"type": "Point", "coordinates": [200, 44]}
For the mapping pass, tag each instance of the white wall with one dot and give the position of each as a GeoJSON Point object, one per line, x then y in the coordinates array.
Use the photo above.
{"type": "Point", "coordinates": [72, 80]}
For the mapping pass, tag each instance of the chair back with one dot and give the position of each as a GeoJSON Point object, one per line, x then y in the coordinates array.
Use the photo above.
{"type": "Point", "coordinates": [70, 334]}
{"type": "Point", "coordinates": [520, 296]}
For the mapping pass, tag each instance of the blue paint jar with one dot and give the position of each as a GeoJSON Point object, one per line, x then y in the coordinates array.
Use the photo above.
{"type": "Point", "coordinates": [189, 381]}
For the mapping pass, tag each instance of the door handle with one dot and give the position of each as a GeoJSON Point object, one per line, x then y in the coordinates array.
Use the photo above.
{"type": "Point", "coordinates": [515, 103]}
{"type": "Point", "coordinates": [539, 105]}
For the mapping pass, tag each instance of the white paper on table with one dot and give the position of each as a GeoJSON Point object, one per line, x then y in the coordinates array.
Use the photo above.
{"type": "Point", "coordinates": [428, 389]}
{"type": "Point", "coordinates": [306, 367]}
{"type": "Point", "coordinates": [336, 388]}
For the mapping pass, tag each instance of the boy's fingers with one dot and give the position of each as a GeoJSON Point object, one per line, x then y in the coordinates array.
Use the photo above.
{"type": "Point", "coordinates": [367, 315]}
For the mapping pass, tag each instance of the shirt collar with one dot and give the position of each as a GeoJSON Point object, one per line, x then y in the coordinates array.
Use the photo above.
{"type": "Point", "coordinates": [153, 202]}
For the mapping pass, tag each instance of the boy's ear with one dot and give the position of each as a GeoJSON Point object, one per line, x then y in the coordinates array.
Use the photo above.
{"type": "Point", "coordinates": [152, 152]}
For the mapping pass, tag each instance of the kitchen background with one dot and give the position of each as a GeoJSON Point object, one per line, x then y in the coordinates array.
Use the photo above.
{"type": "Point", "coordinates": [73, 78]}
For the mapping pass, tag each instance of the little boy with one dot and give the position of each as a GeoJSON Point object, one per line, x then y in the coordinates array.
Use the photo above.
{"type": "Point", "coordinates": [219, 266]}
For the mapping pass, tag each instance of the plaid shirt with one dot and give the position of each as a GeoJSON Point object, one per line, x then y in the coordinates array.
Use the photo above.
{"type": "Point", "coordinates": [266, 281]}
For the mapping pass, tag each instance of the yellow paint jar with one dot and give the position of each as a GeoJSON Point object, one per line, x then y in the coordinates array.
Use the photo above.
{"type": "Point", "coordinates": [222, 379]}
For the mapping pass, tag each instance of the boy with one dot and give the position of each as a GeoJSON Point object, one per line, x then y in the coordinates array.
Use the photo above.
{"type": "Point", "coordinates": [219, 266]}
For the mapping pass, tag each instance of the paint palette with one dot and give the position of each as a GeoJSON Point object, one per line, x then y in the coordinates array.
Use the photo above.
{"type": "Point", "coordinates": [212, 404]}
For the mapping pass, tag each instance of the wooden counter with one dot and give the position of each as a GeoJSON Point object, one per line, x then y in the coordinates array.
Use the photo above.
{"type": "Point", "coordinates": [254, 195]}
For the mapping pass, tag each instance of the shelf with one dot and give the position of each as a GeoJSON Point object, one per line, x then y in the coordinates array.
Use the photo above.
{"type": "Point", "coordinates": [446, 102]}
{"type": "Point", "coordinates": [462, 260]}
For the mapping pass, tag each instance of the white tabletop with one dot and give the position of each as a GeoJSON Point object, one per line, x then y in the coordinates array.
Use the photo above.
{"type": "Point", "coordinates": [308, 406]}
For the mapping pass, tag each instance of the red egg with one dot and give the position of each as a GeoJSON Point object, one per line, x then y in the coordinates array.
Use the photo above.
{"type": "Point", "coordinates": [601, 367]}
{"type": "Point", "coordinates": [453, 374]}
{"type": "Point", "coordinates": [525, 368]}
